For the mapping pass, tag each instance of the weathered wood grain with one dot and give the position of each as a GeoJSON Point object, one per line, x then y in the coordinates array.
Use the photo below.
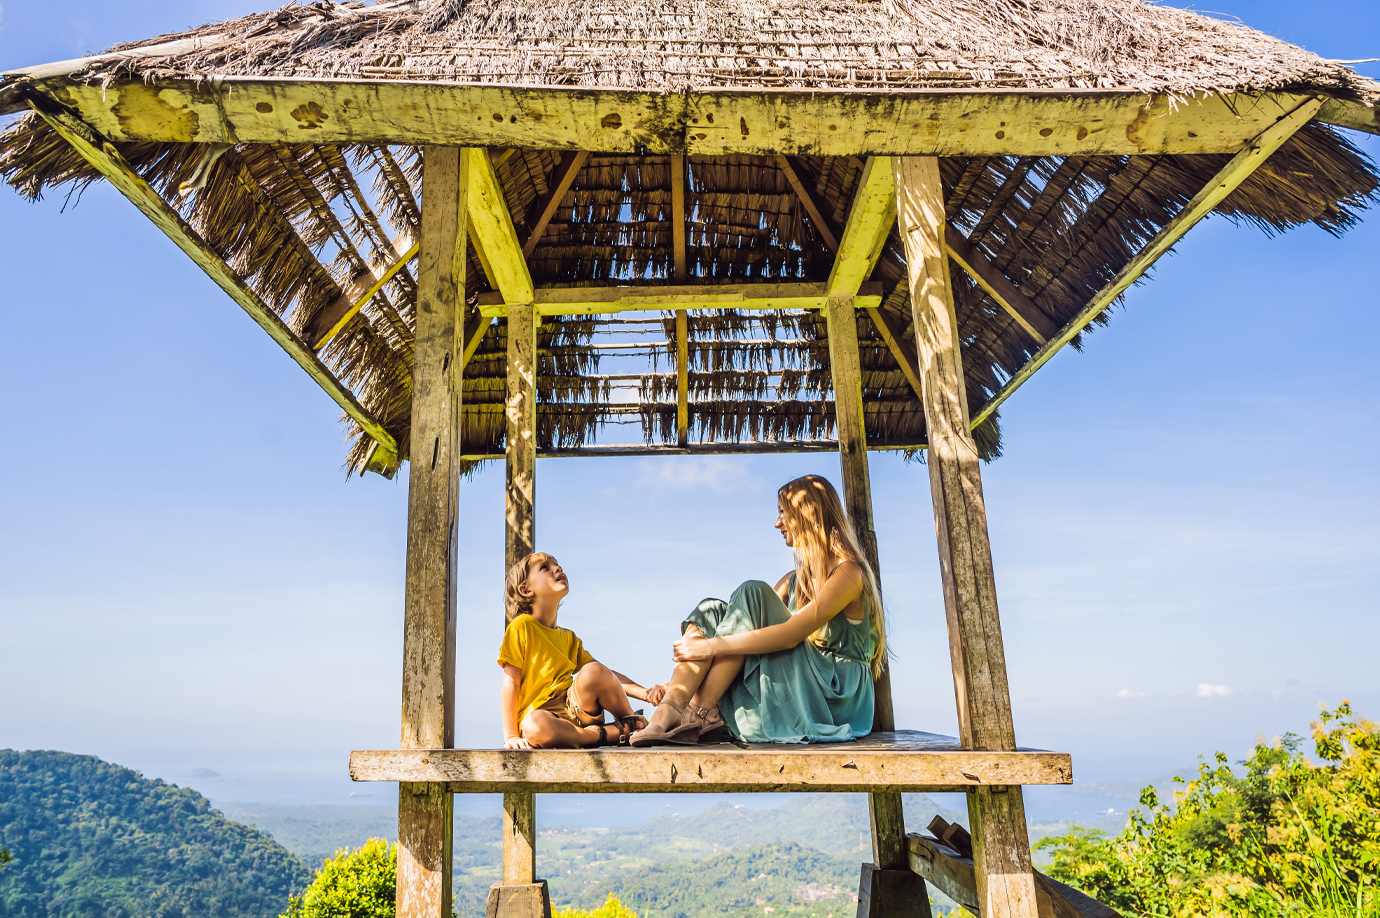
{"type": "Point", "coordinates": [891, 893]}
{"type": "Point", "coordinates": [870, 219]}
{"type": "Point", "coordinates": [1002, 850]}
{"type": "Point", "coordinates": [521, 448]}
{"type": "Point", "coordinates": [682, 377]}
{"type": "Point", "coordinates": [758, 122]}
{"type": "Point", "coordinates": [551, 301]}
{"type": "Point", "coordinates": [519, 838]}
{"type": "Point", "coordinates": [678, 254]}
{"type": "Point", "coordinates": [723, 448]}
{"type": "Point", "coordinates": [882, 761]}
{"type": "Point", "coordinates": [990, 278]}
{"type": "Point", "coordinates": [106, 159]}
{"type": "Point", "coordinates": [893, 333]}
{"type": "Point", "coordinates": [572, 161]}
{"type": "Point", "coordinates": [335, 315]}
{"type": "Point", "coordinates": [424, 851]}
{"type": "Point", "coordinates": [529, 900]}
{"type": "Point", "coordinates": [504, 259]}
{"type": "Point", "coordinates": [1235, 172]}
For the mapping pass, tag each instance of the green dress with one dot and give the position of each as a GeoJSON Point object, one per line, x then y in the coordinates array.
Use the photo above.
{"type": "Point", "coordinates": [808, 694]}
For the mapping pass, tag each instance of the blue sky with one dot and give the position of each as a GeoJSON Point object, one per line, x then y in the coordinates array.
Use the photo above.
{"type": "Point", "coordinates": [1184, 523]}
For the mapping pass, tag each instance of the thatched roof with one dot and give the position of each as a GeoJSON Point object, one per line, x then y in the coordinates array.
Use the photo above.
{"type": "Point", "coordinates": [299, 220]}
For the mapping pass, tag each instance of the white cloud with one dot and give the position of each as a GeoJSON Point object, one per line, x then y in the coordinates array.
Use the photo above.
{"type": "Point", "coordinates": [1215, 691]}
{"type": "Point", "coordinates": [1129, 693]}
{"type": "Point", "coordinates": [719, 474]}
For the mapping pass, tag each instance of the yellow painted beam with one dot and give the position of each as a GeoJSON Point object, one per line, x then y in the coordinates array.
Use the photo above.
{"type": "Point", "coordinates": [107, 160]}
{"type": "Point", "coordinates": [1213, 193]}
{"type": "Point", "coordinates": [870, 219]}
{"type": "Point", "coordinates": [335, 315]}
{"type": "Point", "coordinates": [492, 224]}
{"type": "Point", "coordinates": [556, 301]}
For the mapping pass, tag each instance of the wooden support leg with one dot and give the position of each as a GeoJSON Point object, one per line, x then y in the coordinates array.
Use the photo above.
{"type": "Point", "coordinates": [428, 691]}
{"type": "Point", "coordinates": [522, 432]}
{"type": "Point", "coordinates": [519, 838]}
{"type": "Point", "coordinates": [1001, 846]}
{"type": "Point", "coordinates": [885, 895]}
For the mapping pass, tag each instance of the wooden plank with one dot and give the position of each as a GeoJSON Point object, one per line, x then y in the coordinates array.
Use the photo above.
{"type": "Point", "coordinates": [505, 262]}
{"type": "Point", "coordinates": [1092, 122]}
{"type": "Point", "coordinates": [870, 219]}
{"type": "Point", "coordinates": [519, 838]}
{"type": "Point", "coordinates": [106, 159]}
{"type": "Point", "coordinates": [425, 840]}
{"type": "Point", "coordinates": [682, 377]}
{"type": "Point", "coordinates": [1358, 116]}
{"type": "Point", "coordinates": [572, 161]}
{"type": "Point", "coordinates": [527, 900]}
{"type": "Point", "coordinates": [521, 448]}
{"type": "Point", "coordinates": [724, 448]}
{"type": "Point", "coordinates": [555, 301]}
{"type": "Point", "coordinates": [965, 557]}
{"type": "Point", "coordinates": [891, 893]}
{"type": "Point", "coordinates": [678, 258]}
{"type": "Point", "coordinates": [823, 225]}
{"type": "Point", "coordinates": [893, 334]}
{"type": "Point", "coordinates": [472, 338]}
{"type": "Point", "coordinates": [990, 278]}
{"type": "Point", "coordinates": [883, 761]}
{"type": "Point", "coordinates": [332, 318]}
{"type": "Point", "coordinates": [1213, 193]}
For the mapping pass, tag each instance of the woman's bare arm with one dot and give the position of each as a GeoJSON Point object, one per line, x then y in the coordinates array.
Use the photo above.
{"type": "Point", "coordinates": [840, 590]}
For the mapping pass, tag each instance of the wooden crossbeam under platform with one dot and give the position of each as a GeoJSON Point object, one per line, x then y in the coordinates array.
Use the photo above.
{"type": "Point", "coordinates": [727, 448]}
{"type": "Point", "coordinates": [578, 301]}
{"type": "Point", "coordinates": [904, 760]}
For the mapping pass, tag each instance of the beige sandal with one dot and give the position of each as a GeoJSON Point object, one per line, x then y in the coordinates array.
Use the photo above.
{"type": "Point", "coordinates": [711, 722]}
{"type": "Point", "coordinates": [687, 733]}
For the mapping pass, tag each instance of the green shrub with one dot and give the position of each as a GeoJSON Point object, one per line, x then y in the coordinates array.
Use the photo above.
{"type": "Point", "coordinates": [611, 908]}
{"type": "Point", "coordinates": [1286, 838]}
{"type": "Point", "coordinates": [353, 884]}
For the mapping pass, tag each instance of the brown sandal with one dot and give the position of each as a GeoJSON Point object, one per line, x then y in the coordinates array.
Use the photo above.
{"type": "Point", "coordinates": [684, 734]}
{"type": "Point", "coordinates": [711, 721]}
{"type": "Point", "coordinates": [625, 727]}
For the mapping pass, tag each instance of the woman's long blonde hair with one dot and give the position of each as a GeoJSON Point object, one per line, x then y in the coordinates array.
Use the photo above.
{"type": "Point", "coordinates": [820, 527]}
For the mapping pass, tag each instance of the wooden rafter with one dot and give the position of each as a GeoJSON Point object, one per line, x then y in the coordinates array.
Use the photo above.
{"type": "Point", "coordinates": [106, 159]}
{"type": "Point", "coordinates": [493, 228]}
{"type": "Point", "coordinates": [715, 123]}
{"type": "Point", "coordinates": [1213, 193]}
{"type": "Point", "coordinates": [682, 377]}
{"type": "Point", "coordinates": [991, 279]}
{"type": "Point", "coordinates": [870, 219]}
{"type": "Point", "coordinates": [566, 170]}
{"type": "Point", "coordinates": [823, 225]}
{"type": "Point", "coordinates": [332, 318]}
{"type": "Point", "coordinates": [551, 301]}
{"type": "Point", "coordinates": [893, 333]}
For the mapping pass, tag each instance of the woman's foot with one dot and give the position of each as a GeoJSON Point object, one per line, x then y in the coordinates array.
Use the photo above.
{"type": "Point", "coordinates": [668, 725]}
{"type": "Point", "coordinates": [711, 722]}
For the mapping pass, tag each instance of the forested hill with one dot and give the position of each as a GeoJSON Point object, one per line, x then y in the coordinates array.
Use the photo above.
{"type": "Point", "coordinates": [94, 839]}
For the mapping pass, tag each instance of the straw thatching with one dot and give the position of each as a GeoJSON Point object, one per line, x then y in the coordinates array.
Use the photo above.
{"type": "Point", "coordinates": [298, 221]}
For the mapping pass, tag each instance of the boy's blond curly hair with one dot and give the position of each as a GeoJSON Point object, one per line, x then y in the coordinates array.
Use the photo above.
{"type": "Point", "coordinates": [515, 603]}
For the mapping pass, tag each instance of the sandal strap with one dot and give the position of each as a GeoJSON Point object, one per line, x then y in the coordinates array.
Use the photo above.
{"type": "Point", "coordinates": [603, 736]}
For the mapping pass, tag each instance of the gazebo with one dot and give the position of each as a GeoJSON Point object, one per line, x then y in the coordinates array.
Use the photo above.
{"type": "Point", "coordinates": [498, 230]}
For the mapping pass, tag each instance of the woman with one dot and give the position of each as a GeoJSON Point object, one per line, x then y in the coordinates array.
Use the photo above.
{"type": "Point", "coordinates": [794, 664]}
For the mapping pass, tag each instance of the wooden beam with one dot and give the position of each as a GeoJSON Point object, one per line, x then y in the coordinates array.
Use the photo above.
{"type": "Point", "coordinates": [572, 161]}
{"type": "Point", "coordinates": [720, 122]}
{"type": "Point", "coordinates": [682, 377]}
{"type": "Point", "coordinates": [894, 335]}
{"type": "Point", "coordinates": [521, 448]}
{"type": "Point", "coordinates": [1036, 324]}
{"type": "Point", "coordinates": [1213, 193]}
{"type": "Point", "coordinates": [823, 225]}
{"type": "Point", "coordinates": [870, 219]}
{"type": "Point", "coordinates": [106, 159]}
{"type": "Point", "coordinates": [880, 762]}
{"type": "Point", "coordinates": [553, 301]}
{"type": "Point", "coordinates": [493, 225]}
{"type": "Point", "coordinates": [1006, 886]}
{"type": "Point", "coordinates": [428, 690]}
{"type": "Point", "coordinates": [726, 448]}
{"type": "Point", "coordinates": [472, 338]}
{"type": "Point", "coordinates": [519, 838]}
{"type": "Point", "coordinates": [1358, 116]}
{"type": "Point", "coordinates": [332, 318]}
{"type": "Point", "coordinates": [678, 258]}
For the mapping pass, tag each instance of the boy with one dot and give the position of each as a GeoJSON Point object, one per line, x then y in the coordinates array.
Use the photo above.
{"type": "Point", "coordinates": [554, 693]}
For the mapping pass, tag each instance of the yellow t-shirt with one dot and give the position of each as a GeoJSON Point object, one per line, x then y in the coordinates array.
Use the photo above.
{"type": "Point", "coordinates": [548, 658]}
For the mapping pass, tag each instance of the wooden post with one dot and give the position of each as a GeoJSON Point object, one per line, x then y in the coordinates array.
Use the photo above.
{"type": "Point", "coordinates": [1006, 885]}
{"type": "Point", "coordinates": [880, 892]}
{"type": "Point", "coordinates": [428, 695]}
{"type": "Point", "coordinates": [682, 377]}
{"type": "Point", "coordinates": [519, 838]}
{"type": "Point", "coordinates": [521, 450]}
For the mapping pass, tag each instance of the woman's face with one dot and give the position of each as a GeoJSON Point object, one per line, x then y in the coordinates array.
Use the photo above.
{"type": "Point", "coordinates": [784, 525]}
{"type": "Point", "coordinates": [546, 579]}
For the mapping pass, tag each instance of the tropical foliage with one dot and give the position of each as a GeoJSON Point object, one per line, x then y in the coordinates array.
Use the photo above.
{"type": "Point", "coordinates": [611, 908]}
{"type": "Point", "coordinates": [353, 884]}
{"type": "Point", "coordinates": [1283, 837]}
{"type": "Point", "coordinates": [93, 839]}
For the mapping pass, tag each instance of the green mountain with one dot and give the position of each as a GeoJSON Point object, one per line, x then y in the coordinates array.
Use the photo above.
{"type": "Point", "coordinates": [94, 839]}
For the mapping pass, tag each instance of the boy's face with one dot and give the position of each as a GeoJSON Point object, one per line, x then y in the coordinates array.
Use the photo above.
{"type": "Point", "coordinates": [546, 580]}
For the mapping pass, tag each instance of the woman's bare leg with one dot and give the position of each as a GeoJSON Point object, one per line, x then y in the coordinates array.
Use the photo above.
{"type": "Point", "coordinates": [685, 680]}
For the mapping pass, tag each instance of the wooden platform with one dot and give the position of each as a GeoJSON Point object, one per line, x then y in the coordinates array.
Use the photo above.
{"type": "Point", "coordinates": [906, 760]}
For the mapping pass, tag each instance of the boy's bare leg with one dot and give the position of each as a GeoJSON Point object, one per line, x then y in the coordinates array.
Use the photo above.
{"type": "Point", "coordinates": [599, 690]}
{"type": "Point", "coordinates": [721, 675]}
{"type": "Point", "coordinates": [545, 730]}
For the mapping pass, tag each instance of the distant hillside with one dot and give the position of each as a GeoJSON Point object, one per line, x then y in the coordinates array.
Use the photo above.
{"type": "Point", "coordinates": [94, 839]}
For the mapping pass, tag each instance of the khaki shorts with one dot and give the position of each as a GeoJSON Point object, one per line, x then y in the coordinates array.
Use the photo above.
{"type": "Point", "coordinates": [565, 704]}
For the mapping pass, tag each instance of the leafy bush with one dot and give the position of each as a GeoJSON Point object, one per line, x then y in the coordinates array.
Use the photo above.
{"type": "Point", "coordinates": [353, 884]}
{"type": "Point", "coordinates": [611, 908]}
{"type": "Point", "coordinates": [1285, 838]}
